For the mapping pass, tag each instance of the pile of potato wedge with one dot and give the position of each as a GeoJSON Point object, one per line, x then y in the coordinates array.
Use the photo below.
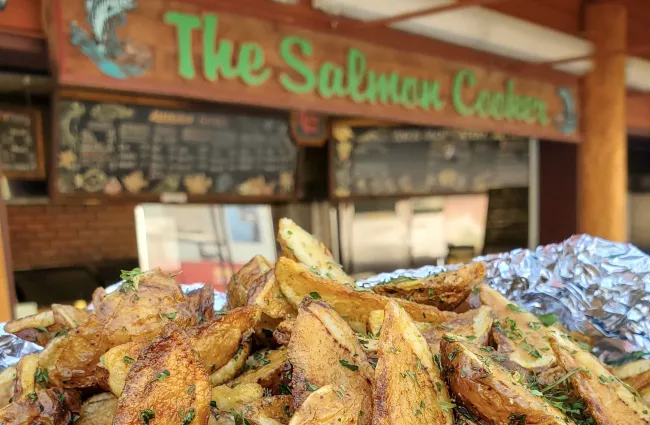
{"type": "Point", "coordinates": [301, 344]}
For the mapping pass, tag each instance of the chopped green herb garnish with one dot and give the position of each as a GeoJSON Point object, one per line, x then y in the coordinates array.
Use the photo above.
{"type": "Point", "coordinates": [515, 308]}
{"type": "Point", "coordinates": [31, 396]}
{"type": "Point", "coordinates": [350, 366]}
{"type": "Point", "coordinates": [189, 417]}
{"type": "Point", "coordinates": [128, 359]}
{"type": "Point", "coordinates": [42, 376]}
{"type": "Point", "coordinates": [146, 415]}
{"type": "Point", "coordinates": [315, 295]}
{"type": "Point", "coordinates": [171, 316]}
{"type": "Point", "coordinates": [162, 375]}
{"type": "Point", "coordinates": [446, 406]}
{"type": "Point", "coordinates": [61, 332]}
{"type": "Point", "coordinates": [191, 389]}
{"type": "Point", "coordinates": [548, 319]}
{"type": "Point", "coordinates": [310, 387]}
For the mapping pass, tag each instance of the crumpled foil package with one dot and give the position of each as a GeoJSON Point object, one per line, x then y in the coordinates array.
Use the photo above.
{"type": "Point", "coordinates": [596, 287]}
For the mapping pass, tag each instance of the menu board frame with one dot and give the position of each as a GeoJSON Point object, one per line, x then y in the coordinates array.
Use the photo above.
{"type": "Point", "coordinates": [37, 135]}
{"type": "Point", "coordinates": [67, 94]}
{"type": "Point", "coordinates": [356, 197]}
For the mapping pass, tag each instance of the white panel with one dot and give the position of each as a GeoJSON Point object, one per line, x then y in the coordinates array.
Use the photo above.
{"type": "Point", "coordinates": [486, 30]}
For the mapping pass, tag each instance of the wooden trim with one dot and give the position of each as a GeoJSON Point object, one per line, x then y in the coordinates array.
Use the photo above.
{"type": "Point", "coordinates": [7, 289]}
{"type": "Point", "coordinates": [23, 18]}
{"type": "Point", "coordinates": [101, 198]}
{"type": "Point", "coordinates": [37, 135]}
{"type": "Point", "coordinates": [429, 12]}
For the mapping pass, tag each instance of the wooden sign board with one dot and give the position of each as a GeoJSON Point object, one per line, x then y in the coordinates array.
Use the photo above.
{"type": "Point", "coordinates": [309, 129]}
{"type": "Point", "coordinates": [397, 161]}
{"type": "Point", "coordinates": [178, 48]}
{"type": "Point", "coordinates": [21, 143]}
{"type": "Point", "coordinates": [122, 148]}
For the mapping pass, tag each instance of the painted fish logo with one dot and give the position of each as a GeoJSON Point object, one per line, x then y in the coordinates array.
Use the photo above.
{"type": "Point", "coordinates": [115, 57]}
{"type": "Point", "coordinates": [567, 121]}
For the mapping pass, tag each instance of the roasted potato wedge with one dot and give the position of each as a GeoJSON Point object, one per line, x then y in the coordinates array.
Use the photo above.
{"type": "Point", "coordinates": [445, 291]}
{"type": "Point", "coordinates": [69, 317]}
{"type": "Point", "coordinates": [609, 401]}
{"type": "Point", "coordinates": [304, 248]}
{"type": "Point", "coordinates": [297, 281]}
{"type": "Point", "coordinates": [330, 406]}
{"type": "Point", "coordinates": [227, 398]}
{"type": "Point", "coordinates": [324, 351]}
{"type": "Point", "coordinates": [167, 382]}
{"type": "Point", "coordinates": [118, 361]}
{"type": "Point", "coordinates": [636, 374]}
{"type": "Point", "coordinates": [33, 328]}
{"type": "Point", "coordinates": [240, 282]}
{"type": "Point", "coordinates": [270, 369]}
{"type": "Point", "coordinates": [50, 407]}
{"type": "Point", "coordinates": [408, 387]}
{"type": "Point", "coordinates": [98, 410]}
{"type": "Point", "coordinates": [202, 302]}
{"type": "Point", "coordinates": [214, 341]}
{"type": "Point", "coordinates": [274, 410]}
{"type": "Point", "coordinates": [265, 293]}
{"type": "Point", "coordinates": [26, 377]}
{"type": "Point", "coordinates": [474, 325]}
{"type": "Point", "coordinates": [518, 334]}
{"type": "Point", "coordinates": [145, 303]}
{"type": "Point", "coordinates": [233, 367]}
{"type": "Point", "coordinates": [7, 378]}
{"type": "Point", "coordinates": [488, 391]}
{"type": "Point", "coordinates": [219, 340]}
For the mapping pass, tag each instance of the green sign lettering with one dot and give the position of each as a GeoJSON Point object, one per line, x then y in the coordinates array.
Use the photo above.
{"type": "Point", "coordinates": [185, 24]}
{"type": "Point", "coordinates": [287, 54]}
{"type": "Point", "coordinates": [355, 80]}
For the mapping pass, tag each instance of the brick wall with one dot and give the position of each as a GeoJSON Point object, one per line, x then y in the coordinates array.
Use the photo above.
{"type": "Point", "coordinates": [46, 236]}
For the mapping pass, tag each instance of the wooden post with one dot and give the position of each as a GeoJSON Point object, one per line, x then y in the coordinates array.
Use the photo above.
{"type": "Point", "coordinates": [7, 292]}
{"type": "Point", "coordinates": [602, 155]}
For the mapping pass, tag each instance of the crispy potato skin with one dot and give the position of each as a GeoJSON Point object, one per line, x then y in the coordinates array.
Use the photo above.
{"type": "Point", "coordinates": [325, 406]}
{"type": "Point", "coordinates": [636, 374]}
{"type": "Point", "coordinates": [121, 317]}
{"type": "Point", "coordinates": [98, 410]}
{"type": "Point", "coordinates": [476, 323]}
{"type": "Point", "coordinates": [445, 291]}
{"type": "Point", "coordinates": [26, 328]}
{"type": "Point", "coordinates": [218, 341]}
{"type": "Point", "coordinates": [297, 281]}
{"type": "Point", "coordinates": [231, 369]}
{"type": "Point", "coordinates": [46, 409]}
{"type": "Point", "coordinates": [266, 409]}
{"type": "Point", "coordinates": [513, 348]}
{"type": "Point", "coordinates": [240, 282]}
{"type": "Point", "coordinates": [488, 392]}
{"type": "Point", "coordinates": [609, 402]}
{"type": "Point", "coordinates": [265, 293]}
{"type": "Point", "coordinates": [408, 388]}
{"type": "Point", "coordinates": [186, 387]}
{"type": "Point", "coordinates": [202, 302]}
{"type": "Point", "coordinates": [320, 342]}
{"type": "Point", "coordinates": [301, 247]}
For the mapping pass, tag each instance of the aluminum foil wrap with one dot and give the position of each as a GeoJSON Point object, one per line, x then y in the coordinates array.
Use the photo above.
{"type": "Point", "coordinates": [594, 286]}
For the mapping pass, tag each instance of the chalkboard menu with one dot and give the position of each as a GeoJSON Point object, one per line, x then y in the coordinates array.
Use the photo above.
{"type": "Point", "coordinates": [115, 149]}
{"type": "Point", "coordinates": [21, 143]}
{"type": "Point", "coordinates": [506, 225]}
{"type": "Point", "coordinates": [408, 160]}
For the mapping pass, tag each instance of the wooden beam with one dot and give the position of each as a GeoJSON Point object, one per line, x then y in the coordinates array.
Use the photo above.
{"type": "Point", "coordinates": [635, 50]}
{"type": "Point", "coordinates": [428, 12]}
{"type": "Point", "coordinates": [602, 155]}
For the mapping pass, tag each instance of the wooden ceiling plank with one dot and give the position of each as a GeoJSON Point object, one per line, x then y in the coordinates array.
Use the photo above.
{"type": "Point", "coordinates": [540, 13]}
{"type": "Point", "coordinates": [428, 12]}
